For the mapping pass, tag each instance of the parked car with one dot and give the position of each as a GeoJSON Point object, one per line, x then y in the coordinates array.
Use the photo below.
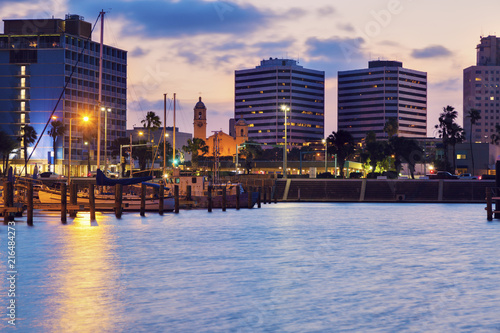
{"type": "Point", "coordinates": [109, 174]}
{"type": "Point", "coordinates": [443, 175]}
{"type": "Point", "coordinates": [467, 176]}
{"type": "Point", "coordinates": [487, 177]}
{"type": "Point", "coordinates": [50, 175]}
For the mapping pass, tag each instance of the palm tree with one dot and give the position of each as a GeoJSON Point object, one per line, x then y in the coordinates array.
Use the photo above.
{"type": "Point", "coordinates": [375, 151]}
{"type": "Point", "coordinates": [474, 115]}
{"type": "Point", "coordinates": [28, 138]}
{"type": "Point", "coordinates": [151, 122]}
{"type": "Point", "coordinates": [405, 149]}
{"type": "Point", "coordinates": [251, 150]}
{"type": "Point", "coordinates": [195, 146]}
{"type": "Point", "coordinates": [341, 144]}
{"type": "Point", "coordinates": [6, 147]}
{"type": "Point", "coordinates": [391, 127]}
{"type": "Point", "coordinates": [58, 129]}
{"type": "Point", "coordinates": [449, 131]}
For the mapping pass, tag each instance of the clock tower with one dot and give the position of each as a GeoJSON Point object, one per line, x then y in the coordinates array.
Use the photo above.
{"type": "Point", "coordinates": [200, 121]}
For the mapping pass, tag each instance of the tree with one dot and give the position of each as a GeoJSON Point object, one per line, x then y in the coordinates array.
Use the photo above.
{"type": "Point", "coordinates": [408, 150]}
{"type": "Point", "coordinates": [28, 137]}
{"type": "Point", "coordinates": [195, 146]}
{"type": "Point", "coordinates": [391, 127]}
{"type": "Point", "coordinates": [250, 151]}
{"type": "Point", "coordinates": [375, 151]}
{"type": "Point", "coordinates": [7, 145]}
{"type": "Point", "coordinates": [341, 144]}
{"type": "Point", "coordinates": [151, 122]}
{"type": "Point", "coordinates": [58, 129]}
{"type": "Point", "coordinates": [474, 115]}
{"type": "Point", "coordinates": [450, 132]}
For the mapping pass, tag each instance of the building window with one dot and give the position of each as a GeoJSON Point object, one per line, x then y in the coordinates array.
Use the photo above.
{"type": "Point", "coordinates": [461, 157]}
{"type": "Point", "coordinates": [23, 106]}
{"type": "Point", "coordinates": [23, 70]}
{"type": "Point", "coordinates": [23, 118]}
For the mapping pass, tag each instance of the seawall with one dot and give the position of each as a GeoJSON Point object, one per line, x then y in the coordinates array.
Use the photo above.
{"type": "Point", "coordinates": [378, 190]}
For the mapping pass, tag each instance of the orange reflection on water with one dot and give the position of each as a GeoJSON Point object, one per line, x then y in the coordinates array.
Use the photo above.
{"type": "Point", "coordinates": [84, 278]}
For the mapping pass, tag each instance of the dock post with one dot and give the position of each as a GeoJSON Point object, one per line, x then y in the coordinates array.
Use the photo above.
{"type": "Point", "coordinates": [250, 201]}
{"type": "Point", "coordinates": [64, 202]}
{"type": "Point", "coordinates": [188, 192]}
{"type": "Point", "coordinates": [92, 202]}
{"type": "Point", "coordinates": [6, 202]}
{"type": "Point", "coordinates": [264, 193]}
{"type": "Point", "coordinates": [176, 198]}
{"type": "Point", "coordinates": [237, 198]}
{"type": "Point", "coordinates": [209, 194]}
{"type": "Point", "coordinates": [73, 190]}
{"type": "Point", "coordinates": [269, 199]}
{"type": "Point", "coordinates": [143, 200]}
{"type": "Point", "coordinates": [497, 185]}
{"type": "Point", "coordinates": [258, 197]}
{"type": "Point", "coordinates": [30, 204]}
{"type": "Point", "coordinates": [161, 196]}
{"type": "Point", "coordinates": [224, 202]}
{"type": "Point", "coordinates": [298, 194]}
{"type": "Point", "coordinates": [274, 194]}
{"type": "Point", "coordinates": [118, 200]}
{"type": "Point", "coordinates": [489, 210]}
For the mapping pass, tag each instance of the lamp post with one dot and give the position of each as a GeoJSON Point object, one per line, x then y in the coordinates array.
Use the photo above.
{"type": "Point", "coordinates": [285, 157]}
{"type": "Point", "coordinates": [105, 137]}
{"type": "Point", "coordinates": [85, 119]}
{"type": "Point", "coordinates": [325, 141]}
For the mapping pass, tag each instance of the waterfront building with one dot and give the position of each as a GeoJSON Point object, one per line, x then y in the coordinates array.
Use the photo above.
{"type": "Point", "coordinates": [368, 98]}
{"type": "Point", "coordinates": [262, 92]}
{"type": "Point", "coordinates": [482, 91]}
{"type": "Point", "coordinates": [44, 60]}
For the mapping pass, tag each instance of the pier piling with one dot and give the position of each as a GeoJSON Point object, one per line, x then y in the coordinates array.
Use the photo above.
{"type": "Point", "coordinates": [176, 199]}
{"type": "Point", "coordinates": [250, 189]}
{"type": "Point", "coordinates": [489, 210]}
{"type": "Point", "coordinates": [161, 196]}
{"type": "Point", "coordinates": [143, 200]}
{"type": "Point", "coordinates": [237, 198]}
{"type": "Point", "coordinates": [269, 199]}
{"type": "Point", "coordinates": [118, 200]}
{"type": "Point", "coordinates": [92, 202]}
{"type": "Point", "coordinates": [264, 194]}
{"type": "Point", "coordinates": [259, 193]}
{"type": "Point", "coordinates": [209, 194]}
{"type": "Point", "coordinates": [224, 202]}
{"type": "Point", "coordinates": [29, 219]}
{"type": "Point", "coordinates": [73, 190]}
{"type": "Point", "coordinates": [64, 202]}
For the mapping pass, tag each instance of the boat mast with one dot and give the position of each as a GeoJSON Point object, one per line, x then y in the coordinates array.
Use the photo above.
{"type": "Point", "coordinates": [100, 93]}
{"type": "Point", "coordinates": [164, 133]}
{"type": "Point", "coordinates": [173, 161]}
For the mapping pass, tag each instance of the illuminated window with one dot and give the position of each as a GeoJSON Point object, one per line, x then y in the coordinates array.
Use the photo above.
{"type": "Point", "coordinates": [23, 70]}
{"type": "Point", "coordinates": [23, 118]}
{"type": "Point", "coordinates": [251, 125]}
{"type": "Point", "coordinates": [23, 93]}
{"type": "Point", "coordinates": [23, 82]}
{"type": "Point", "coordinates": [461, 157]}
{"type": "Point", "coordinates": [492, 98]}
{"type": "Point", "coordinates": [23, 106]}
{"type": "Point", "coordinates": [478, 79]}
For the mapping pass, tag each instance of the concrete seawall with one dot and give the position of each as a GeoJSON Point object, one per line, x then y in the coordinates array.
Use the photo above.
{"type": "Point", "coordinates": [377, 190]}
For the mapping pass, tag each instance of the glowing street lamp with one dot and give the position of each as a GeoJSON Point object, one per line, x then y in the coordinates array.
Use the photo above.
{"type": "Point", "coordinates": [325, 142]}
{"type": "Point", "coordinates": [285, 109]}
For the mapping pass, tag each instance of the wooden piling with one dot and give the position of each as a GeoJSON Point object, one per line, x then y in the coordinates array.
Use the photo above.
{"type": "Point", "coordinates": [6, 202]}
{"type": "Point", "coordinates": [209, 194]}
{"type": "Point", "coordinates": [259, 192]}
{"type": "Point", "coordinates": [264, 193]}
{"type": "Point", "coordinates": [224, 199]}
{"type": "Point", "coordinates": [118, 200]}
{"type": "Point", "coordinates": [29, 219]}
{"type": "Point", "coordinates": [176, 198]}
{"type": "Point", "coordinates": [73, 198]}
{"type": "Point", "coordinates": [64, 202]}
{"type": "Point", "coordinates": [161, 196]}
{"type": "Point", "coordinates": [489, 210]}
{"type": "Point", "coordinates": [269, 199]}
{"type": "Point", "coordinates": [238, 198]}
{"type": "Point", "coordinates": [250, 189]}
{"type": "Point", "coordinates": [92, 202]}
{"type": "Point", "coordinates": [143, 200]}
{"type": "Point", "coordinates": [298, 194]}
{"type": "Point", "coordinates": [188, 193]}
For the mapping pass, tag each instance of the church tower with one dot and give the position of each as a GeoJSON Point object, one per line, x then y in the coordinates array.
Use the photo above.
{"type": "Point", "coordinates": [241, 129]}
{"type": "Point", "coordinates": [200, 121]}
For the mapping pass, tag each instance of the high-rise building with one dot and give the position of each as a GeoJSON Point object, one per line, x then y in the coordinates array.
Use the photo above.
{"type": "Point", "coordinates": [368, 98]}
{"type": "Point", "coordinates": [481, 90]}
{"type": "Point", "coordinates": [263, 92]}
{"type": "Point", "coordinates": [42, 61]}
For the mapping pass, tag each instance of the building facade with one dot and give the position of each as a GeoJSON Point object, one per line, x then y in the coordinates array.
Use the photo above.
{"type": "Point", "coordinates": [482, 91]}
{"type": "Point", "coordinates": [53, 64]}
{"type": "Point", "coordinates": [368, 98]}
{"type": "Point", "coordinates": [261, 94]}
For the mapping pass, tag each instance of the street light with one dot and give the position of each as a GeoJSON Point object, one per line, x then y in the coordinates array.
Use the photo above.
{"type": "Point", "coordinates": [85, 119]}
{"type": "Point", "coordinates": [285, 157]}
{"type": "Point", "coordinates": [325, 142]}
{"type": "Point", "coordinates": [105, 137]}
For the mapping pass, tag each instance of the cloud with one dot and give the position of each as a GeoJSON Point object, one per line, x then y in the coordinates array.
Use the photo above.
{"type": "Point", "coordinates": [346, 27]}
{"type": "Point", "coordinates": [138, 52]}
{"type": "Point", "coordinates": [431, 52]}
{"type": "Point", "coordinates": [152, 19]}
{"type": "Point", "coordinates": [454, 84]}
{"type": "Point", "coordinates": [325, 11]}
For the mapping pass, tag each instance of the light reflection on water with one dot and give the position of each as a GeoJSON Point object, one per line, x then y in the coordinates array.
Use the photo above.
{"type": "Point", "coordinates": [285, 267]}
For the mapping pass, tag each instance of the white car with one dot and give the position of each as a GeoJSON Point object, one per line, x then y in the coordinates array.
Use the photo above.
{"type": "Point", "coordinates": [467, 176]}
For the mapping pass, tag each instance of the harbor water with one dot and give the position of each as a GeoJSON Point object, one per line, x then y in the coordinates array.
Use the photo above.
{"type": "Point", "coordinates": [290, 267]}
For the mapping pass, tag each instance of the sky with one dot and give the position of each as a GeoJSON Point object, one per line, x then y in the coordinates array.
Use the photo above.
{"type": "Point", "coordinates": [193, 47]}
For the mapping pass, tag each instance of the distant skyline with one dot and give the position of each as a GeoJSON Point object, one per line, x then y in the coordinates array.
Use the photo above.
{"type": "Point", "coordinates": [193, 46]}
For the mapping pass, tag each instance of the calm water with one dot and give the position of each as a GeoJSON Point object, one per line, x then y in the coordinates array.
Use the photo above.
{"type": "Point", "coordinates": [283, 268]}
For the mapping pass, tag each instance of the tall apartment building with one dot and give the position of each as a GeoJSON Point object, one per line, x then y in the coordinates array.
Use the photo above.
{"type": "Point", "coordinates": [481, 90]}
{"type": "Point", "coordinates": [37, 58]}
{"type": "Point", "coordinates": [368, 98]}
{"type": "Point", "coordinates": [261, 92]}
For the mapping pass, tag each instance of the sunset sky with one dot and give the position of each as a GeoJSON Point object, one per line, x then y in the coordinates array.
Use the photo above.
{"type": "Point", "coordinates": [194, 46]}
